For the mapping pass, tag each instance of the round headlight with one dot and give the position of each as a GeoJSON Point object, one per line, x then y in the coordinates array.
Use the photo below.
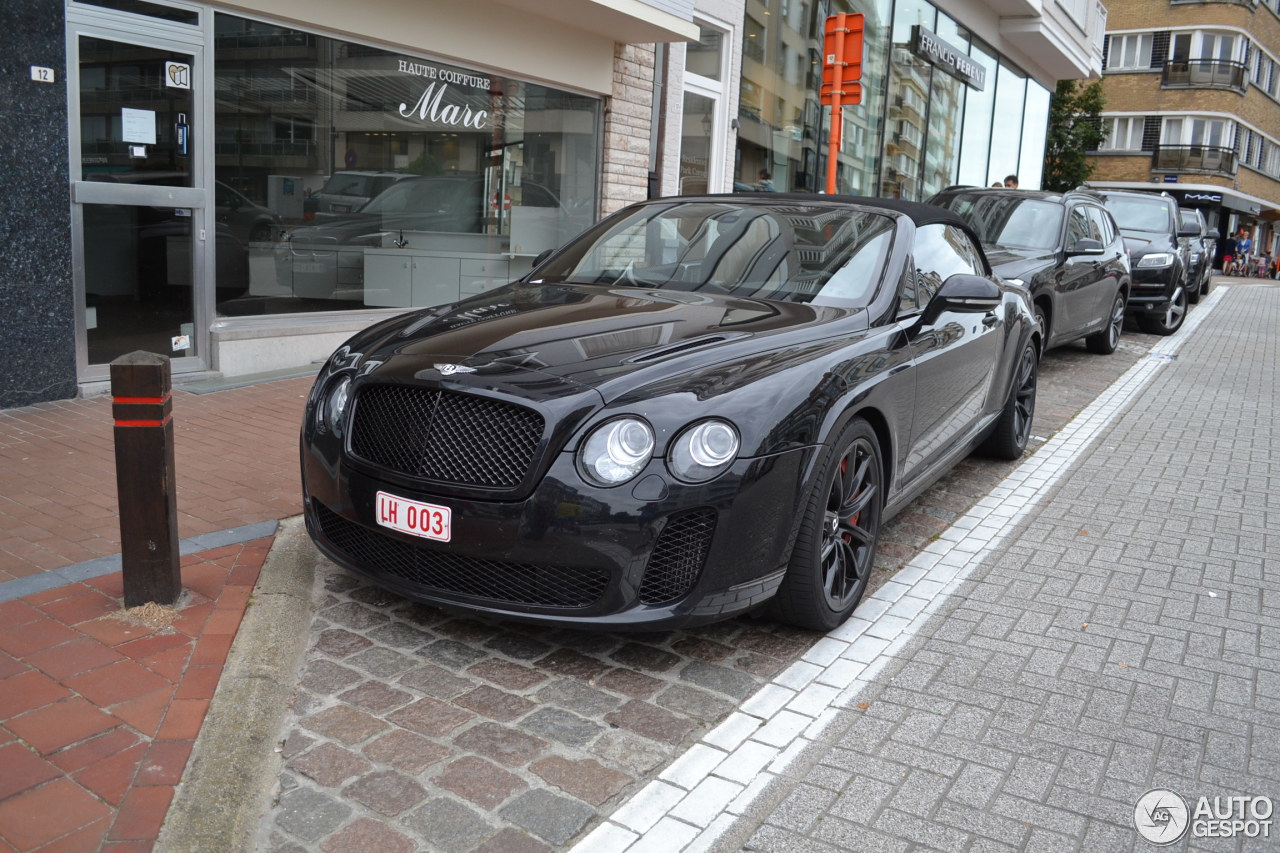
{"type": "Point", "coordinates": [334, 405]}
{"type": "Point", "coordinates": [616, 451]}
{"type": "Point", "coordinates": [703, 451]}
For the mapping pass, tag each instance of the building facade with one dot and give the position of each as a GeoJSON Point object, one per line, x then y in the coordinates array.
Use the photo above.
{"type": "Point", "coordinates": [241, 185]}
{"type": "Point", "coordinates": [1193, 109]}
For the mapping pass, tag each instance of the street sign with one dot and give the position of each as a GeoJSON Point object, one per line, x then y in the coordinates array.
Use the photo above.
{"type": "Point", "coordinates": [841, 71]}
{"type": "Point", "coordinates": [842, 59]}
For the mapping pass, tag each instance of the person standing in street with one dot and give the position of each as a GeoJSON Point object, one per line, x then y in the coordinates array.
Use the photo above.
{"type": "Point", "coordinates": [1011, 182]}
{"type": "Point", "coordinates": [1243, 247]}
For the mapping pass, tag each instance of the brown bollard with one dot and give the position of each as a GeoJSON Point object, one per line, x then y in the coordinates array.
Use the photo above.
{"type": "Point", "coordinates": [146, 487]}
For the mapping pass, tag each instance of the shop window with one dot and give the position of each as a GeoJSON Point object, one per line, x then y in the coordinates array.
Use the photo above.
{"type": "Point", "coordinates": [451, 179]}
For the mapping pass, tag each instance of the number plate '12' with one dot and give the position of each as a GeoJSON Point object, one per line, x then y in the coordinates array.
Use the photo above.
{"type": "Point", "coordinates": [417, 519]}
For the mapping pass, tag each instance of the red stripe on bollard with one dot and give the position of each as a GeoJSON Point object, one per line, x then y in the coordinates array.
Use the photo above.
{"type": "Point", "coordinates": [154, 401]}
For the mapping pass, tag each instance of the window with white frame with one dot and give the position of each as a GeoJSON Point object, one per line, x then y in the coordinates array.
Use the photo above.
{"type": "Point", "coordinates": [1131, 50]}
{"type": "Point", "coordinates": [1206, 44]}
{"type": "Point", "coordinates": [1124, 133]}
{"type": "Point", "coordinates": [1195, 131]}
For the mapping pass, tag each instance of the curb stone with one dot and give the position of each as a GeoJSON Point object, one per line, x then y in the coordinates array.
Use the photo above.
{"type": "Point", "coordinates": [232, 774]}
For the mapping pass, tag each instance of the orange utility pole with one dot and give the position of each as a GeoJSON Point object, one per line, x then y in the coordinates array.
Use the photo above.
{"type": "Point", "coordinates": [841, 71]}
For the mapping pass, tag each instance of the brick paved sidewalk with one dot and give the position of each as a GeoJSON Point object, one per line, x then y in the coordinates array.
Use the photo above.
{"type": "Point", "coordinates": [236, 461]}
{"type": "Point", "coordinates": [1126, 639]}
{"type": "Point", "coordinates": [98, 715]}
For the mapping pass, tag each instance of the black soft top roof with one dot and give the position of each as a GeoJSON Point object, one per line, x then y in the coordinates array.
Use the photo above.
{"type": "Point", "coordinates": [917, 212]}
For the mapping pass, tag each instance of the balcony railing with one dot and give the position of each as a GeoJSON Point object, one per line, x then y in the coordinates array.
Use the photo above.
{"type": "Point", "coordinates": [1204, 74]}
{"type": "Point", "coordinates": [1248, 3]}
{"type": "Point", "coordinates": [1194, 158]}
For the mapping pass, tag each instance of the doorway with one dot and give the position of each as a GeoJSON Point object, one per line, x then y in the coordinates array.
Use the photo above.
{"type": "Point", "coordinates": [140, 230]}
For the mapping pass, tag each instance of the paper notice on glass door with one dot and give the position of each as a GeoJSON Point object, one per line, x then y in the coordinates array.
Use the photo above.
{"type": "Point", "coordinates": [138, 125]}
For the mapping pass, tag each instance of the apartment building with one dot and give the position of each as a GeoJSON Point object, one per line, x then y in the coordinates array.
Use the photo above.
{"type": "Point", "coordinates": [1193, 108]}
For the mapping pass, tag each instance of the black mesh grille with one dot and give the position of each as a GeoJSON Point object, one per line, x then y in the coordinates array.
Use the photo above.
{"type": "Point", "coordinates": [446, 437]}
{"type": "Point", "coordinates": [678, 556]}
{"type": "Point", "coordinates": [515, 583]}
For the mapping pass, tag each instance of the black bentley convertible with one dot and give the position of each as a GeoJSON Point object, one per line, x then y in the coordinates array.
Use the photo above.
{"type": "Point", "coordinates": [701, 406]}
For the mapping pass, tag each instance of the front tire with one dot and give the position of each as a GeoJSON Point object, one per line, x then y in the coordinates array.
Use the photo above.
{"type": "Point", "coordinates": [1105, 341]}
{"type": "Point", "coordinates": [1012, 431]}
{"type": "Point", "coordinates": [833, 556]}
{"type": "Point", "coordinates": [1171, 319]}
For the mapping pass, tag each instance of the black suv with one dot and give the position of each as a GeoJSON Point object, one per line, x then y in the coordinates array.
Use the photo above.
{"type": "Point", "coordinates": [1063, 247]}
{"type": "Point", "coordinates": [1161, 263]}
{"type": "Point", "coordinates": [1201, 249]}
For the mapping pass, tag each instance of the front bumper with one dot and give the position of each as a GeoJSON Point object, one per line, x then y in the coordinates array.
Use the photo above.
{"type": "Point", "coordinates": [651, 554]}
{"type": "Point", "coordinates": [1153, 290]}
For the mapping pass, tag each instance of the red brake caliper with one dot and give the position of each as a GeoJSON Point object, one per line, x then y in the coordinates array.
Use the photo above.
{"type": "Point", "coordinates": [853, 519]}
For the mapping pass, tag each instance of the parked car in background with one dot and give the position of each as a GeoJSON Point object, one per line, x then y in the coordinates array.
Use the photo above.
{"type": "Point", "coordinates": [1064, 247]}
{"type": "Point", "coordinates": [327, 260]}
{"type": "Point", "coordinates": [1159, 260]}
{"type": "Point", "coordinates": [249, 221]}
{"type": "Point", "coordinates": [1200, 251]}
{"type": "Point", "coordinates": [346, 191]}
{"type": "Point", "coordinates": [700, 406]}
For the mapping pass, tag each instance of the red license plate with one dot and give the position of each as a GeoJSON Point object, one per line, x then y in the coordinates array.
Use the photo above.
{"type": "Point", "coordinates": [414, 517]}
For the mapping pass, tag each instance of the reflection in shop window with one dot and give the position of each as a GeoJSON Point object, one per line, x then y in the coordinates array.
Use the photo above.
{"type": "Point", "coordinates": [392, 180]}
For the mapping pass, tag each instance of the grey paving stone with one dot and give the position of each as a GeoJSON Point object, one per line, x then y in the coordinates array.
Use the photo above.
{"type": "Point", "coordinates": [555, 818]}
{"type": "Point", "coordinates": [386, 792]}
{"type": "Point", "coordinates": [730, 682]}
{"type": "Point", "coordinates": [694, 703]}
{"type": "Point", "coordinates": [382, 662]}
{"type": "Point", "coordinates": [449, 825]}
{"type": "Point", "coordinates": [561, 727]}
{"type": "Point", "coordinates": [309, 814]}
{"type": "Point", "coordinates": [354, 616]}
{"type": "Point", "coordinates": [451, 653]}
{"type": "Point", "coordinates": [573, 695]}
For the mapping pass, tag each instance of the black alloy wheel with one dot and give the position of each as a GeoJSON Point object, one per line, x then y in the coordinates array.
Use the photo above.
{"type": "Point", "coordinates": [1169, 320]}
{"type": "Point", "coordinates": [1012, 431]}
{"type": "Point", "coordinates": [834, 553]}
{"type": "Point", "coordinates": [1104, 342]}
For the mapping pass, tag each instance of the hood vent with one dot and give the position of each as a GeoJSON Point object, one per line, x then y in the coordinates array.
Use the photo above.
{"type": "Point", "coordinates": [680, 348]}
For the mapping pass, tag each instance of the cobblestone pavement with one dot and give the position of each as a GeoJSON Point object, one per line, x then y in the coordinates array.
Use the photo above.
{"type": "Point", "coordinates": [416, 729]}
{"type": "Point", "coordinates": [1125, 638]}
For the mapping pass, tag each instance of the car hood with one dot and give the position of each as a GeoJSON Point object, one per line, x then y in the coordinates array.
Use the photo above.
{"type": "Point", "coordinates": [557, 340]}
{"type": "Point", "coordinates": [349, 227]}
{"type": "Point", "coordinates": [1009, 262]}
{"type": "Point", "coordinates": [1142, 242]}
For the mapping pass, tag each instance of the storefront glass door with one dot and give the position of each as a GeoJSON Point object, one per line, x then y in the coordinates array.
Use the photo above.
{"type": "Point", "coordinates": [139, 206]}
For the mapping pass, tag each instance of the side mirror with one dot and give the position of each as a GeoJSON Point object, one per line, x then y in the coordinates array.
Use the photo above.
{"type": "Point", "coordinates": [542, 256]}
{"type": "Point", "coordinates": [1188, 232]}
{"type": "Point", "coordinates": [964, 292]}
{"type": "Point", "coordinates": [1086, 246]}
{"type": "Point", "coordinates": [1213, 235]}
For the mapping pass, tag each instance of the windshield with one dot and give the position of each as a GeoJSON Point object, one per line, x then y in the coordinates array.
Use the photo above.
{"type": "Point", "coordinates": [786, 251]}
{"type": "Point", "coordinates": [427, 195]}
{"type": "Point", "coordinates": [1140, 214]}
{"type": "Point", "coordinates": [1007, 221]}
